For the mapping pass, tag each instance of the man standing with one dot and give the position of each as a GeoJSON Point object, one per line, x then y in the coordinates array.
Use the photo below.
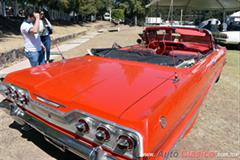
{"type": "Point", "coordinates": [32, 42]}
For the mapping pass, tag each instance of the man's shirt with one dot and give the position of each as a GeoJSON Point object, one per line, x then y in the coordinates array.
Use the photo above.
{"type": "Point", "coordinates": [32, 42]}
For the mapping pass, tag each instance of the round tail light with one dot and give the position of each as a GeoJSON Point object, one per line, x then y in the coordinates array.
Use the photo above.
{"type": "Point", "coordinates": [22, 97]}
{"type": "Point", "coordinates": [7, 91]}
{"type": "Point", "coordinates": [125, 142]}
{"type": "Point", "coordinates": [13, 93]}
{"type": "Point", "coordinates": [82, 126]}
{"type": "Point", "coordinates": [102, 134]}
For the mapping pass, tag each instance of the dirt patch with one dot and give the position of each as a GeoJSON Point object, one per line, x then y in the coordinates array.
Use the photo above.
{"type": "Point", "coordinates": [127, 36]}
{"type": "Point", "coordinates": [12, 40]}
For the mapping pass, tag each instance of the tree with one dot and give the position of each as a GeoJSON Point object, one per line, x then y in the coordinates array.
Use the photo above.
{"type": "Point", "coordinates": [103, 6]}
{"type": "Point", "coordinates": [87, 7]}
{"type": "Point", "coordinates": [118, 14]}
{"type": "Point", "coordinates": [133, 8]}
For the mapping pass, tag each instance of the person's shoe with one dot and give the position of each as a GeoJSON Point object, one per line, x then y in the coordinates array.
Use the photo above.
{"type": "Point", "coordinates": [50, 60]}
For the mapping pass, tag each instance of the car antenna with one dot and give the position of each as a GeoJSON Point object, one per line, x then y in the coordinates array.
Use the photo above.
{"type": "Point", "coordinates": [170, 15]}
{"type": "Point", "coordinates": [59, 51]}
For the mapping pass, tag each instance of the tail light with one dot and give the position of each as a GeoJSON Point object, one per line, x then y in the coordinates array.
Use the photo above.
{"type": "Point", "coordinates": [7, 91]}
{"type": "Point", "coordinates": [15, 94]}
{"type": "Point", "coordinates": [125, 142]}
{"type": "Point", "coordinates": [22, 97]}
{"type": "Point", "coordinates": [102, 134]}
{"type": "Point", "coordinates": [82, 126]}
{"type": "Point", "coordinates": [109, 135]}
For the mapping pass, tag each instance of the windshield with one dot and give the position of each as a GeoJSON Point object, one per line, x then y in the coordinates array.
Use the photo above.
{"type": "Point", "coordinates": [234, 26]}
{"type": "Point", "coordinates": [178, 35]}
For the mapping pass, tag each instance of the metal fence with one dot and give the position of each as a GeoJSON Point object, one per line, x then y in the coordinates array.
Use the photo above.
{"type": "Point", "coordinates": [54, 15]}
{"type": "Point", "coordinates": [59, 15]}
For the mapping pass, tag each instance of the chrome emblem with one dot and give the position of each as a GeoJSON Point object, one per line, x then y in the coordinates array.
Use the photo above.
{"type": "Point", "coordinates": [163, 122]}
{"type": "Point", "coordinates": [49, 102]}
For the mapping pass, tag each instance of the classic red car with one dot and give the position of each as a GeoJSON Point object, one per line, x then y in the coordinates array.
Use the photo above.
{"type": "Point", "coordinates": [132, 102]}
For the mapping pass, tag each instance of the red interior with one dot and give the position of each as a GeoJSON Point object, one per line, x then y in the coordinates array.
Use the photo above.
{"type": "Point", "coordinates": [178, 41]}
{"type": "Point", "coordinates": [183, 53]}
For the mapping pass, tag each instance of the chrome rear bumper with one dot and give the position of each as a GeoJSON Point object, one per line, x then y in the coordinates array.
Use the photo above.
{"type": "Point", "coordinates": [55, 137]}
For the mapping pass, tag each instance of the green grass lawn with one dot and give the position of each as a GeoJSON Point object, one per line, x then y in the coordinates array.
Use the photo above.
{"type": "Point", "coordinates": [232, 68]}
{"type": "Point", "coordinates": [217, 128]}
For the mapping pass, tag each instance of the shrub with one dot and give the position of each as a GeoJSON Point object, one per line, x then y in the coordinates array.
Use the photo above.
{"type": "Point", "coordinates": [118, 14]}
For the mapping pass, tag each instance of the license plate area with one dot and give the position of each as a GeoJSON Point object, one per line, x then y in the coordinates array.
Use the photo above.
{"type": "Point", "coordinates": [56, 143]}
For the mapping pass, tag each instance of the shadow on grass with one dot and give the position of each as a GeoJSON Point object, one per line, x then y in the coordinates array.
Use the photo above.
{"type": "Point", "coordinates": [233, 47]}
{"type": "Point", "coordinates": [39, 141]}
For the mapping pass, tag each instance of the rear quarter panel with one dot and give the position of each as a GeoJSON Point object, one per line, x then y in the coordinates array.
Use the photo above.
{"type": "Point", "coordinates": [174, 100]}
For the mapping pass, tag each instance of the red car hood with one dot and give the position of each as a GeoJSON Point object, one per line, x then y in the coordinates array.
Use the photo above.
{"type": "Point", "coordinates": [95, 85]}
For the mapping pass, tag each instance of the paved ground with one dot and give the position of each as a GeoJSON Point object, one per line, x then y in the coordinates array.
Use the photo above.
{"type": "Point", "coordinates": [66, 46]}
{"type": "Point", "coordinates": [216, 131]}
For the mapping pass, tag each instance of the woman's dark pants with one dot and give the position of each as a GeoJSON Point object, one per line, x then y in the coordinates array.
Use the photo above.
{"type": "Point", "coordinates": [46, 40]}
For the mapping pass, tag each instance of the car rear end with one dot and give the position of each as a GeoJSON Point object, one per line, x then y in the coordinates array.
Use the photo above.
{"type": "Point", "coordinates": [86, 135]}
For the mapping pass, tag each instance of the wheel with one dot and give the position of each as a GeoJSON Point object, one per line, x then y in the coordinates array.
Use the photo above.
{"type": "Point", "coordinates": [217, 79]}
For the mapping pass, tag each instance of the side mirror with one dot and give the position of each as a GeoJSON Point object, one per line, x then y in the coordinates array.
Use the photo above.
{"type": "Point", "coordinates": [139, 41]}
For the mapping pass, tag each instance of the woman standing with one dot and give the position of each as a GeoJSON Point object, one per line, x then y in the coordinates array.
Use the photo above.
{"type": "Point", "coordinates": [45, 30]}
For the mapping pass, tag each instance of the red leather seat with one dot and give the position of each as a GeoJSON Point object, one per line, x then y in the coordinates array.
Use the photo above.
{"type": "Point", "coordinates": [183, 53]}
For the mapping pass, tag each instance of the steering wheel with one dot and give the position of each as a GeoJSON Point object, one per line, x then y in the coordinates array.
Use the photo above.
{"type": "Point", "coordinates": [158, 46]}
{"type": "Point", "coordinates": [152, 45]}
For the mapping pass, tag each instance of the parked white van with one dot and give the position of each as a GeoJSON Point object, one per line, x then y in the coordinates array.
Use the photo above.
{"type": "Point", "coordinates": [107, 16]}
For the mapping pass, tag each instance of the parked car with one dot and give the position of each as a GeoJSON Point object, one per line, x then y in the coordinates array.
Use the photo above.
{"type": "Point", "coordinates": [131, 102]}
{"type": "Point", "coordinates": [107, 16]}
{"type": "Point", "coordinates": [233, 35]}
{"type": "Point", "coordinates": [231, 30]}
{"type": "Point", "coordinates": [153, 21]}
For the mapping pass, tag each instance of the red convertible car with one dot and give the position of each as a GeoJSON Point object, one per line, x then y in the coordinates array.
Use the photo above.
{"type": "Point", "coordinates": [132, 102]}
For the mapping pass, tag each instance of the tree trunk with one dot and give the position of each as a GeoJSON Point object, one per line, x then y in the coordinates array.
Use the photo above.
{"type": "Point", "coordinates": [4, 8]}
{"type": "Point", "coordinates": [1, 8]}
{"type": "Point", "coordinates": [135, 21]}
{"type": "Point", "coordinates": [15, 7]}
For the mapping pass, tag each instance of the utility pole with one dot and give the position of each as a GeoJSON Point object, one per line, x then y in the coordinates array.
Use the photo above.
{"type": "Point", "coordinates": [181, 18]}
